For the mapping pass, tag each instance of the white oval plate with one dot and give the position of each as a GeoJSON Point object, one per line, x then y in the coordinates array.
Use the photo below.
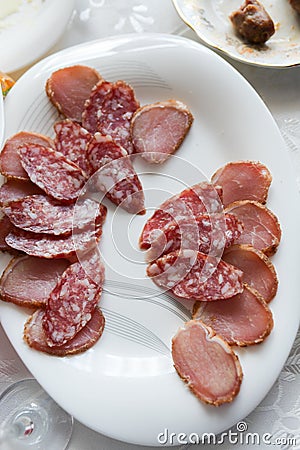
{"type": "Point", "coordinates": [30, 31]}
{"type": "Point", "coordinates": [125, 386]}
{"type": "Point", "coordinates": [209, 19]}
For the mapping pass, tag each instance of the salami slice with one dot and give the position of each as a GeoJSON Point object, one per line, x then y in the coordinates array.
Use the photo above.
{"type": "Point", "coordinates": [206, 363]}
{"type": "Point", "coordinates": [114, 174]}
{"type": "Point", "coordinates": [243, 180]}
{"type": "Point", "coordinates": [41, 214]}
{"type": "Point", "coordinates": [159, 129]}
{"type": "Point", "coordinates": [68, 89]}
{"type": "Point", "coordinates": [109, 110]}
{"type": "Point", "coordinates": [242, 320]}
{"type": "Point", "coordinates": [208, 234]}
{"type": "Point", "coordinates": [34, 335]}
{"type": "Point", "coordinates": [70, 305]}
{"type": "Point", "coordinates": [10, 164]}
{"type": "Point", "coordinates": [15, 189]}
{"type": "Point", "coordinates": [261, 226]}
{"type": "Point", "coordinates": [259, 272]}
{"type": "Point", "coordinates": [202, 198]}
{"type": "Point", "coordinates": [49, 246]}
{"type": "Point", "coordinates": [194, 275]}
{"type": "Point", "coordinates": [72, 140]}
{"type": "Point", "coordinates": [28, 281]}
{"type": "Point", "coordinates": [6, 227]}
{"type": "Point", "coordinates": [52, 172]}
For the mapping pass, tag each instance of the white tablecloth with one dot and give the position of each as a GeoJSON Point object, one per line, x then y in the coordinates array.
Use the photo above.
{"type": "Point", "coordinates": [279, 413]}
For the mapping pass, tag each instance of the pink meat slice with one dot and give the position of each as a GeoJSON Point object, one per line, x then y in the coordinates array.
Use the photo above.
{"type": "Point", "coordinates": [206, 363]}
{"type": "Point", "coordinates": [35, 337]}
{"type": "Point", "coordinates": [41, 214]}
{"type": "Point", "coordinates": [109, 110]}
{"type": "Point", "coordinates": [209, 234]}
{"type": "Point", "coordinates": [10, 164]}
{"type": "Point", "coordinates": [6, 227]}
{"type": "Point", "coordinates": [15, 189]}
{"type": "Point", "coordinates": [28, 281]}
{"type": "Point", "coordinates": [244, 319]}
{"type": "Point", "coordinates": [50, 246]}
{"type": "Point", "coordinates": [158, 130]}
{"type": "Point", "coordinates": [243, 180]}
{"type": "Point", "coordinates": [71, 304]}
{"type": "Point", "coordinates": [259, 272]}
{"type": "Point", "coordinates": [194, 275]}
{"type": "Point", "coordinates": [261, 226]}
{"type": "Point", "coordinates": [202, 198]}
{"type": "Point", "coordinates": [71, 140]}
{"type": "Point", "coordinates": [52, 172]}
{"type": "Point", "coordinates": [114, 174]}
{"type": "Point", "coordinates": [70, 87]}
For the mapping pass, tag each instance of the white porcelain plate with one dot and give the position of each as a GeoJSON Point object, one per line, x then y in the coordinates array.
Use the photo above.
{"type": "Point", "coordinates": [30, 29]}
{"type": "Point", "coordinates": [125, 386]}
{"type": "Point", "coordinates": [209, 19]}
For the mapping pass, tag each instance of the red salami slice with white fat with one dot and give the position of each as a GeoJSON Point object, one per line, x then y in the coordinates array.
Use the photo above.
{"type": "Point", "coordinates": [35, 337]}
{"type": "Point", "coordinates": [52, 172]}
{"type": "Point", "coordinates": [158, 129]}
{"type": "Point", "coordinates": [109, 110]}
{"type": "Point", "coordinates": [206, 363]}
{"type": "Point", "coordinates": [28, 281]}
{"type": "Point", "coordinates": [70, 305]}
{"type": "Point", "coordinates": [261, 226]}
{"type": "Point", "coordinates": [194, 275]}
{"type": "Point", "coordinates": [70, 87]}
{"type": "Point", "coordinates": [243, 180]}
{"type": "Point", "coordinates": [50, 246]}
{"type": "Point", "coordinates": [202, 198]}
{"type": "Point", "coordinates": [208, 234]}
{"type": "Point", "coordinates": [15, 189]}
{"type": "Point", "coordinates": [41, 214]}
{"type": "Point", "coordinates": [6, 227]}
{"type": "Point", "coordinates": [10, 164]}
{"type": "Point", "coordinates": [259, 272]}
{"type": "Point", "coordinates": [114, 174]}
{"type": "Point", "coordinates": [242, 320]}
{"type": "Point", "coordinates": [72, 140]}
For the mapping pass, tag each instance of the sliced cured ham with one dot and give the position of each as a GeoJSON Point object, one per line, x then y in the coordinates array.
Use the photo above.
{"type": "Point", "coordinates": [243, 180]}
{"type": "Point", "coordinates": [159, 129]}
{"type": "Point", "coordinates": [50, 246]}
{"type": "Point", "coordinates": [202, 198]}
{"type": "Point", "coordinates": [15, 189]}
{"type": "Point", "coordinates": [28, 281]}
{"type": "Point", "coordinates": [261, 226]}
{"type": "Point", "coordinates": [206, 363]}
{"type": "Point", "coordinates": [259, 272]}
{"type": "Point", "coordinates": [194, 275]}
{"type": "Point", "coordinates": [208, 234]}
{"type": "Point", "coordinates": [52, 172]}
{"type": "Point", "coordinates": [244, 319]}
{"type": "Point", "coordinates": [70, 87]}
{"type": "Point", "coordinates": [41, 214]}
{"type": "Point", "coordinates": [70, 305]}
{"type": "Point", "coordinates": [72, 141]}
{"type": "Point", "coordinates": [109, 110]}
{"type": "Point", "coordinates": [114, 174]}
{"type": "Point", "coordinates": [6, 227]}
{"type": "Point", "coordinates": [34, 335]}
{"type": "Point", "coordinates": [10, 164]}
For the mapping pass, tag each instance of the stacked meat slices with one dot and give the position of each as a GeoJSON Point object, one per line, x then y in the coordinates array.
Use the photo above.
{"type": "Point", "coordinates": [220, 258]}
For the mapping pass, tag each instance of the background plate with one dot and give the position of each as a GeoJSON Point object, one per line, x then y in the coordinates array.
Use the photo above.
{"type": "Point", "coordinates": [209, 19]}
{"type": "Point", "coordinates": [126, 387]}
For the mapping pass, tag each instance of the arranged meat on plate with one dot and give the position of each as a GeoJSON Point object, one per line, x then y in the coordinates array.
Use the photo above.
{"type": "Point", "coordinates": [14, 189]}
{"type": "Point", "coordinates": [206, 363]}
{"type": "Point", "coordinates": [295, 5]}
{"type": "Point", "coordinates": [253, 22]}
{"type": "Point", "coordinates": [6, 227]}
{"type": "Point", "coordinates": [158, 129]}
{"type": "Point", "coordinates": [69, 87]}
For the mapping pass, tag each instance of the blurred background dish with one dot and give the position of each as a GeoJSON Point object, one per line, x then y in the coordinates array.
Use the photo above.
{"type": "Point", "coordinates": [28, 28]}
